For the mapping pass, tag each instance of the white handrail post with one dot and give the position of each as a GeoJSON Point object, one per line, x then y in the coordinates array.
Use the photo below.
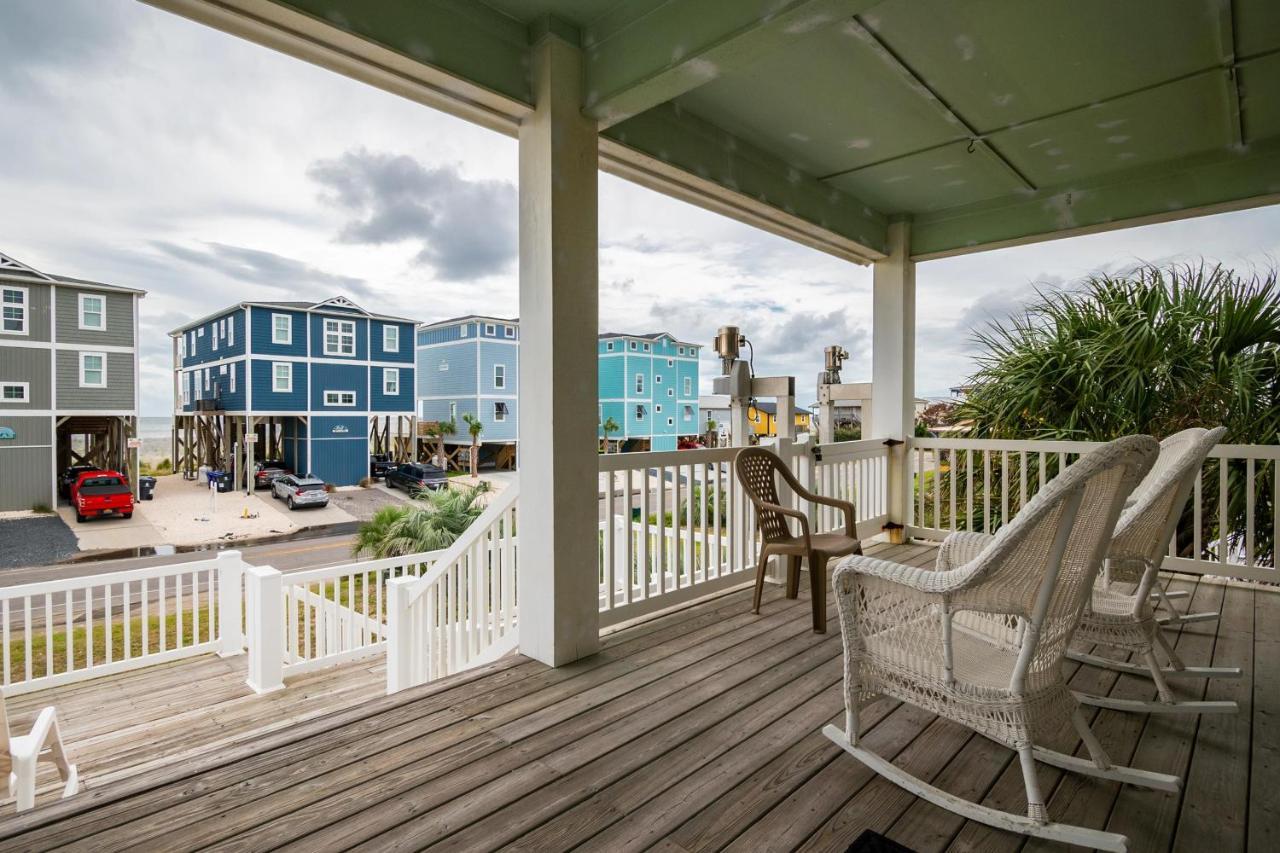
{"type": "Point", "coordinates": [893, 347]}
{"type": "Point", "coordinates": [265, 611]}
{"type": "Point", "coordinates": [230, 603]}
{"type": "Point", "coordinates": [399, 635]}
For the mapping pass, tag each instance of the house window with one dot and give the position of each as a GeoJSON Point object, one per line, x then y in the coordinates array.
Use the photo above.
{"type": "Point", "coordinates": [93, 314]}
{"type": "Point", "coordinates": [233, 379]}
{"type": "Point", "coordinates": [15, 392]}
{"type": "Point", "coordinates": [609, 346]}
{"type": "Point", "coordinates": [639, 383]}
{"type": "Point", "coordinates": [489, 329]}
{"type": "Point", "coordinates": [391, 339]}
{"type": "Point", "coordinates": [671, 421]}
{"type": "Point", "coordinates": [281, 377]}
{"type": "Point", "coordinates": [206, 379]}
{"type": "Point", "coordinates": [464, 330]}
{"type": "Point", "coordinates": [688, 413]}
{"type": "Point", "coordinates": [453, 412]}
{"type": "Point", "coordinates": [215, 337]}
{"type": "Point", "coordinates": [186, 394]}
{"type": "Point", "coordinates": [200, 332]}
{"type": "Point", "coordinates": [192, 334]}
{"type": "Point", "coordinates": [339, 398]}
{"type": "Point", "coordinates": [499, 376]}
{"type": "Point", "coordinates": [509, 331]}
{"type": "Point", "coordinates": [93, 370]}
{"type": "Point", "coordinates": [671, 392]}
{"type": "Point", "coordinates": [444, 366]}
{"type": "Point", "coordinates": [639, 413]}
{"type": "Point", "coordinates": [391, 381]}
{"type": "Point", "coordinates": [646, 347]}
{"type": "Point", "coordinates": [231, 331]}
{"type": "Point", "coordinates": [281, 329]}
{"type": "Point", "coordinates": [657, 380]}
{"type": "Point", "coordinates": [13, 310]}
{"type": "Point", "coordinates": [671, 362]}
{"type": "Point", "coordinates": [658, 408]}
{"type": "Point", "coordinates": [499, 412]}
{"type": "Point", "coordinates": [633, 344]}
{"type": "Point", "coordinates": [339, 337]}
{"type": "Point", "coordinates": [182, 347]}
{"type": "Point", "coordinates": [680, 350]}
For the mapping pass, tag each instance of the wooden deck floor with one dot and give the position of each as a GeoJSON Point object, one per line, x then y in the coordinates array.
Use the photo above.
{"type": "Point", "coordinates": [695, 731]}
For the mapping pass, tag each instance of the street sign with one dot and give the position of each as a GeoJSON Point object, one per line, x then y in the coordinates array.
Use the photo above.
{"type": "Point", "coordinates": [134, 443]}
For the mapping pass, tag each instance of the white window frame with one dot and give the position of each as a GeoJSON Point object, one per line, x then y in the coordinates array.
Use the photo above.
{"type": "Point", "coordinates": [639, 383]}
{"type": "Point", "coordinates": [608, 346]}
{"type": "Point", "coordinates": [509, 331]}
{"type": "Point", "coordinates": [687, 413]}
{"type": "Point", "coordinates": [444, 366]}
{"type": "Point", "coordinates": [635, 345]}
{"type": "Point", "coordinates": [192, 347]}
{"type": "Point", "coordinates": [671, 392]}
{"type": "Point", "coordinates": [490, 329]}
{"type": "Point", "coordinates": [186, 391]}
{"type": "Point", "coordinates": [215, 337]}
{"type": "Point", "coordinates": [207, 374]}
{"type": "Point", "coordinates": [671, 421]}
{"type": "Point", "coordinates": [464, 331]}
{"type": "Point", "coordinates": [499, 411]}
{"type": "Point", "coordinates": [231, 331]}
{"type": "Point", "coordinates": [25, 306]}
{"type": "Point", "coordinates": [680, 350]}
{"type": "Point", "coordinates": [646, 348]}
{"type": "Point", "coordinates": [657, 408]}
{"type": "Point", "coordinates": [182, 347]}
{"type": "Point", "coordinates": [102, 312]}
{"type": "Point", "coordinates": [671, 362]}
{"type": "Point", "coordinates": [657, 379]}
{"type": "Point", "coordinates": [391, 381]}
{"type": "Point", "coordinates": [640, 413]}
{"type": "Point", "coordinates": [232, 381]}
{"type": "Point", "coordinates": [453, 412]}
{"type": "Point", "coordinates": [688, 386]}
{"type": "Point", "coordinates": [87, 355]}
{"type": "Point", "coordinates": [25, 387]}
{"type": "Point", "coordinates": [288, 329]}
{"type": "Point", "coordinates": [334, 398]}
{"type": "Point", "coordinates": [275, 377]}
{"type": "Point", "coordinates": [340, 333]}
{"type": "Point", "coordinates": [499, 376]}
{"type": "Point", "coordinates": [394, 346]}
{"type": "Point", "coordinates": [200, 332]}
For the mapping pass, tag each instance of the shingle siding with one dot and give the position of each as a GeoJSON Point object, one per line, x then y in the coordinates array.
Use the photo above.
{"type": "Point", "coordinates": [459, 377]}
{"type": "Point", "coordinates": [120, 383]}
{"type": "Point", "coordinates": [119, 311]}
{"type": "Point", "coordinates": [405, 352]}
{"type": "Point", "coordinates": [267, 400]}
{"type": "Point", "coordinates": [26, 463]}
{"type": "Point", "coordinates": [37, 311]}
{"type": "Point", "coordinates": [339, 377]}
{"type": "Point", "coordinates": [261, 324]}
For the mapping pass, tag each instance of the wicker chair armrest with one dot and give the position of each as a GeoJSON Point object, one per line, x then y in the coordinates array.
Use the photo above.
{"type": "Point", "coordinates": [912, 577]}
{"type": "Point", "coordinates": [960, 547]}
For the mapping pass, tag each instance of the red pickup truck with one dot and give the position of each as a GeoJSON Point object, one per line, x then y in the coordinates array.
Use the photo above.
{"type": "Point", "coordinates": [98, 493]}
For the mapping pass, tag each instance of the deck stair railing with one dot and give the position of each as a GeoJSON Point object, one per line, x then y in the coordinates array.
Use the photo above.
{"type": "Point", "coordinates": [461, 612]}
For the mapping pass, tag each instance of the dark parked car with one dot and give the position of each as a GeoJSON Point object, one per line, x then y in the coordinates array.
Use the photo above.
{"type": "Point", "coordinates": [297, 491]}
{"type": "Point", "coordinates": [267, 472]}
{"type": "Point", "coordinates": [380, 464]}
{"type": "Point", "coordinates": [416, 476]}
{"type": "Point", "coordinates": [68, 478]}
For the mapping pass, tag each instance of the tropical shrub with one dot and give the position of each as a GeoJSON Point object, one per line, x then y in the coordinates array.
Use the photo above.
{"type": "Point", "coordinates": [429, 522]}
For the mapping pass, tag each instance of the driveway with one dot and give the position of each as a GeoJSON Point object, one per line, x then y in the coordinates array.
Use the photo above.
{"type": "Point", "coordinates": [32, 541]}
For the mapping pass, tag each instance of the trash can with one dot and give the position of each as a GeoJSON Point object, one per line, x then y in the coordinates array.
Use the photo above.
{"type": "Point", "coordinates": [146, 488]}
{"type": "Point", "coordinates": [220, 481]}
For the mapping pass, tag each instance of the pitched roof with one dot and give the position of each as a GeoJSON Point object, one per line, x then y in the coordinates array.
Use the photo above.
{"type": "Point", "coordinates": [513, 321]}
{"type": "Point", "coordinates": [13, 270]}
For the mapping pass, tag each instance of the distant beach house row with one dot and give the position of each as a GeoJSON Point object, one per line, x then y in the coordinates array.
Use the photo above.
{"type": "Point", "coordinates": [319, 385]}
{"type": "Point", "coordinates": [68, 379]}
{"type": "Point", "coordinates": [648, 384]}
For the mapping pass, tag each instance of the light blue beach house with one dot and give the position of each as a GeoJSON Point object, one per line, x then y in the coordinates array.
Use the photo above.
{"type": "Point", "coordinates": [319, 385]}
{"type": "Point", "coordinates": [648, 384]}
{"type": "Point", "coordinates": [468, 366]}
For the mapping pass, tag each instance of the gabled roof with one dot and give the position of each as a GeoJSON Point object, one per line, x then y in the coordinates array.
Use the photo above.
{"type": "Point", "coordinates": [510, 321]}
{"type": "Point", "coordinates": [340, 302]}
{"type": "Point", "coordinates": [646, 336]}
{"type": "Point", "coordinates": [13, 270]}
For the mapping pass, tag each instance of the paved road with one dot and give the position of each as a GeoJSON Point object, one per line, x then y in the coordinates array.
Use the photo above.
{"type": "Point", "coordinates": [285, 556]}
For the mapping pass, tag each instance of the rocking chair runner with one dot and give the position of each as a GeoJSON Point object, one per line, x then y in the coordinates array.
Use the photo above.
{"type": "Point", "coordinates": [756, 468]}
{"type": "Point", "coordinates": [20, 755]}
{"type": "Point", "coordinates": [982, 644]}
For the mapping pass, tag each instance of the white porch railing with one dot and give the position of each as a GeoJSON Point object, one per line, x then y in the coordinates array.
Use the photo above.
{"type": "Point", "coordinates": [73, 629]}
{"type": "Point", "coordinates": [977, 484]}
{"type": "Point", "coordinates": [461, 612]}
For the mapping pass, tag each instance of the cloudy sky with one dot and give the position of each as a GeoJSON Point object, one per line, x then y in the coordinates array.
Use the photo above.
{"type": "Point", "coordinates": [144, 150]}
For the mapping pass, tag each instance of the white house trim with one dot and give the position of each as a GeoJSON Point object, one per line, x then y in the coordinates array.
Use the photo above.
{"type": "Point", "coordinates": [288, 330]}
{"type": "Point", "coordinates": [68, 347]}
{"type": "Point", "coordinates": [6, 384]}
{"type": "Point", "coordinates": [468, 340]}
{"type": "Point", "coordinates": [288, 389]}
{"type": "Point", "coordinates": [26, 309]}
{"type": "Point", "coordinates": [327, 403]}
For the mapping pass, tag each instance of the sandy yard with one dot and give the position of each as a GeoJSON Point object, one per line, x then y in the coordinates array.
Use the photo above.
{"type": "Point", "coordinates": [185, 512]}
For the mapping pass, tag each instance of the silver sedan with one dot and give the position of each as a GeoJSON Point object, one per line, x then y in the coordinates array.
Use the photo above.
{"type": "Point", "coordinates": [298, 491]}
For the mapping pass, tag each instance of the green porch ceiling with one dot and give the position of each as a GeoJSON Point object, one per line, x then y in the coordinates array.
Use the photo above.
{"type": "Point", "coordinates": [984, 121]}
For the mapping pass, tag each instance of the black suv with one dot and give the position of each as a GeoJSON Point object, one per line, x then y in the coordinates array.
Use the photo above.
{"type": "Point", "coordinates": [380, 464]}
{"type": "Point", "coordinates": [416, 476]}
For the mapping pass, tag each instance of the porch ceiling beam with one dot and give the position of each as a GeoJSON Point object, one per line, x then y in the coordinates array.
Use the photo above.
{"type": "Point", "coordinates": [1230, 73]}
{"type": "Point", "coordinates": [631, 66]}
{"type": "Point", "coordinates": [678, 153]}
{"type": "Point", "coordinates": [1196, 186]}
{"type": "Point", "coordinates": [977, 140]}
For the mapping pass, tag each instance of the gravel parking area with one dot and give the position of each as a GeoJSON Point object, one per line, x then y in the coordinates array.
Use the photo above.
{"type": "Point", "coordinates": [35, 541]}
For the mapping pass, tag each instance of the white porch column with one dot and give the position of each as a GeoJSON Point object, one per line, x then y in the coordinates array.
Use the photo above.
{"type": "Point", "coordinates": [893, 364]}
{"type": "Point", "coordinates": [559, 311]}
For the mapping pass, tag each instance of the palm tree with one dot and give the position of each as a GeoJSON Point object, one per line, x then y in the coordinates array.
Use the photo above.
{"type": "Point", "coordinates": [429, 522]}
{"type": "Point", "coordinates": [609, 427]}
{"type": "Point", "coordinates": [1152, 351]}
{"type": "Point", "coordinates": [438, 430]}
{"type": "Point", "coordinates": [474, 427]}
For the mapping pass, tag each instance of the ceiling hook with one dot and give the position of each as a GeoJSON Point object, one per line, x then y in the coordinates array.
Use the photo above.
{"type": "Point", "coordinates": [972, 142]}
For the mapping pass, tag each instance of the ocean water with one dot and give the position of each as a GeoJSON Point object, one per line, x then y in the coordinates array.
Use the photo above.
{"type": "Point", "coordinates": [153, 427]}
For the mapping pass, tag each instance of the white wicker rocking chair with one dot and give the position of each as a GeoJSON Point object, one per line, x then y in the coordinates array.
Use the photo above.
{"type": "Point", "coordinates": [981, 641]}
{"type": "Point", "coordinates": [1127, 620]}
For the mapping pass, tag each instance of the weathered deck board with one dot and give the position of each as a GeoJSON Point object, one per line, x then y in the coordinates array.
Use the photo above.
{"type": "Point", "coordinates": [695, 731]}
